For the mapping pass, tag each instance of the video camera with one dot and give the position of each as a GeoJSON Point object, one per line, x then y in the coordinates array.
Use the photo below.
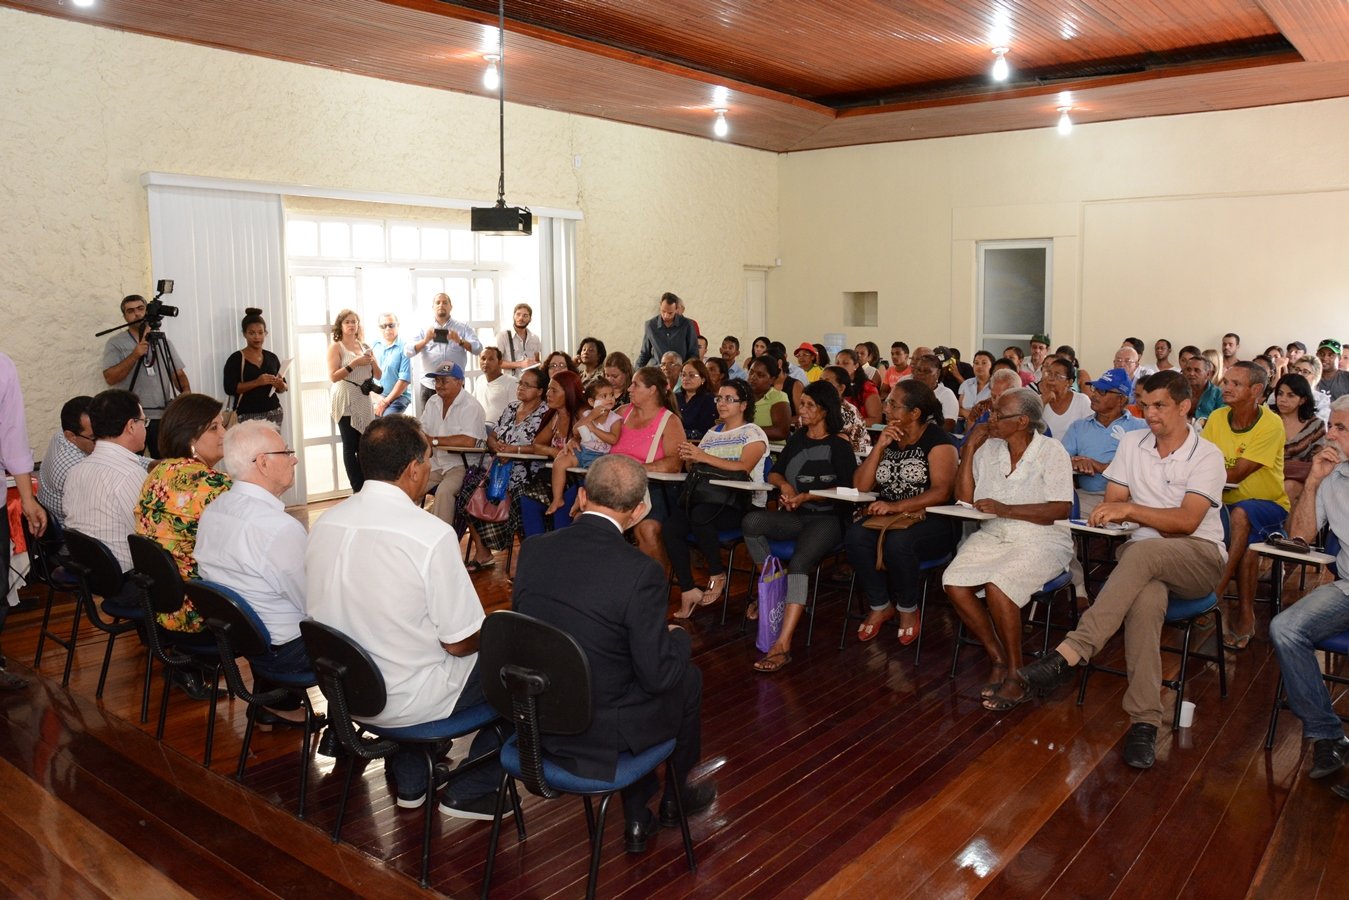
{"type": "Point", "coordinates": [157, 309]}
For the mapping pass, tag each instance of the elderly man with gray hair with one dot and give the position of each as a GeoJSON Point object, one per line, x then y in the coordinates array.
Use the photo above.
{"type": "Point", "coordinates": [249, 543]}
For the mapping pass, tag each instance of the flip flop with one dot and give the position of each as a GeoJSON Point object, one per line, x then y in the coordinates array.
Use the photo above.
{"type": "Point", "coordinates": [868, 631]}
{"type": "Point", "coordinates": [767, 664]}
{"type": "Point", "coordinates": [473, 566]}
{"type": "Point", "coordinates": [1236, 642]}
{"type": "Point", "coordinates": [999, 703]}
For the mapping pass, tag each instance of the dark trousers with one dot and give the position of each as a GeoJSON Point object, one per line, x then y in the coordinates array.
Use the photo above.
{"type": "Point", "coordinates": [290, 658]}
{"type": "Point", "coordinates": [351, 459]}
{"type": "Point", "coordinates": [408, 763]}
{"type": "Point", "coordinates": [901, 581]}
{"type": "Point", "coordinates": [688, 747]}
{"type": "Point", "coordinates": [703, 521]}
{"type": "Point", "coordinates": [532, 519]}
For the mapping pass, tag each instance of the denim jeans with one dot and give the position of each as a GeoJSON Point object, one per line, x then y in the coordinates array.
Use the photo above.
{"type": "Point", "coordinates": [1317, 616]}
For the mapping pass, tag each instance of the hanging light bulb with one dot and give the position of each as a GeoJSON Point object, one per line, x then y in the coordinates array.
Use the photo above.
{"type": "Point", "coordinates": [1000, 68]}
{"type": "Point", "coordinates": [719, 127]}
{"type": "Point", "coordinates": [83, 4]}
{"type": "Point", "coordinates": [1065, 123]}
{"type": "Point", "coordinates": [491, 79]}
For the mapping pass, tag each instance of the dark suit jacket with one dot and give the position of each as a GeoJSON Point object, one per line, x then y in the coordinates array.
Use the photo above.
{"type": "Point", "coordinates": [588, 581]}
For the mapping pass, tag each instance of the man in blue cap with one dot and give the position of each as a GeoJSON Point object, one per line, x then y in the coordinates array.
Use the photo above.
{"type": "Point", "coordinates": [451, 418]}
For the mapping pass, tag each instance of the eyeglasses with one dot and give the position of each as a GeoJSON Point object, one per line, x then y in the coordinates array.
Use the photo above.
{"type": "Point", "coordinates": [721, 399]}
{"type": "Point", "coordinates": [286, 452]}
{"type": "Point", "coordinates": [144, 420]}
{"type": "Point", "coordinates": [894, 404]}
{"type": "Point", "coordinates": [389, 325]}
{"type": "Point", "coordinates": [556, 365]}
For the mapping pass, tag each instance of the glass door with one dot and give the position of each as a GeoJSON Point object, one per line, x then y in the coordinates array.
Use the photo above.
{"type": "Point", "coordinates": [317, 296]}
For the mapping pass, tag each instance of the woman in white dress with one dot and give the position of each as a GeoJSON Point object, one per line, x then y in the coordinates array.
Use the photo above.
{"type": "Point", "coordinates": [1010, 469]}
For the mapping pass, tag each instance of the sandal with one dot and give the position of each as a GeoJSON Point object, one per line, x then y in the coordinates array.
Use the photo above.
{"type": "Point", "coordinates": [867, 631]}
{"type": "Point", "coordinates": [773, 662]}
{"type": "Point", "coordinates": [474, 566]}
{"type": "Point", "coordinates": [752, 611]}
{"type": "Point", "coordinates": [1234, 641]}
{"type": "Point", "coordinates": [999, 702]}
{"type": "Point", "coordinates": [994, 686]}
{"type": "Point", "coordinates": [712, 593]}
{"type": "Point", "coordinates": [686, 608]}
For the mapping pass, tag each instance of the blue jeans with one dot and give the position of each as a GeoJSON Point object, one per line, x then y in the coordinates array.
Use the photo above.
{"type": "Point", "coordinates": [532, 519]}
{"type": "Point", "coordinates": [905, 549]}
{"type": "Point", "coordinates": [408, 763]}
{"type": "Point", "coordinates": [1317, 616]}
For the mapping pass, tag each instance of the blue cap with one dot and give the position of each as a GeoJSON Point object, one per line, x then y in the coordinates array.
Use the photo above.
{"type": "Point", "coordinates": [449, 370]}
{"type": "Point", "coordinates": [1114, 380]}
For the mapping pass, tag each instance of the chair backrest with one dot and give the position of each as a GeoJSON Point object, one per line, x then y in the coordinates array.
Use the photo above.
{"type": "Point", "coordinates": [164, 584]}
{"type": "Point", "coordinates": [344, 667]}
{"type": "Point", "coordinates": [93, 563]}
{"type": "Point", "coordinates": [1333, 548]}
{"type": "Point", "coordinates": [538, 677]}
{"type": "Point", "coordinates": [227, 612]}
{"type": "Point", "coordinates": [521, 657]}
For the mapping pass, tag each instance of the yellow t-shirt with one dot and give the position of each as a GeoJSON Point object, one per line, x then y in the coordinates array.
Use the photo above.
{"type": "Point", "coordinates": [1261, 443]}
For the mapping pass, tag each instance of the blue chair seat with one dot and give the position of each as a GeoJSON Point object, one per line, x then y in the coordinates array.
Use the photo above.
{"type": "Point", "coordinates": [1057, 583]}
{"type": "Point", "coordinates": [462, 722]}
{"type": "Point", "coordinates": [630, 768]}
{"type": "Point", "coordinates": [783, 550]}
{"type": "Point", "coordinates": [1336, 643]}
{"type": "Point", "coordinates": [928, 565]}
{"type": "Point", "coordinates": [122, 612]}
{"type": "Point", "coordinates": [295, 679]}
{"type": "Point", "coordinates": [1178, 610]}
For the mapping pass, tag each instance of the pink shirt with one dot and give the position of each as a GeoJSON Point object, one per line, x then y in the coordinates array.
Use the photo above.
{"type": "Point", "coordinates": [636, 442]}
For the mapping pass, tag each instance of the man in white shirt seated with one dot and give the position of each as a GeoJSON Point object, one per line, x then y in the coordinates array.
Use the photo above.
{"type": "Point", "coordinates": [247, 541]}
{"type": "Point", "coordinates": [101, 492]}
{"type": "Point", "coordinates": [451, 418]}
{"type": "Point", "coordinates": [494, 389]}
{"type": "Point", "coordinates": [67, 448]}
{"type": "Point", "coordinates": [386, 572]}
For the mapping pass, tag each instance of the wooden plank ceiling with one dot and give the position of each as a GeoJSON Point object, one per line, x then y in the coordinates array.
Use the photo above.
{"type": "Point", "coordinates": [798, 74]}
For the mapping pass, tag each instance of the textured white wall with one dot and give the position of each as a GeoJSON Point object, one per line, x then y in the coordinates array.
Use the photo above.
{"type": "Point", "coordinates": [88, 110]}
{"type": "Point", "coordinates": [903, 219]}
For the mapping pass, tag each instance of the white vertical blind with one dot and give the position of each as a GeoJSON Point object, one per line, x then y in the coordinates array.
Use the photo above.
{"type": "Point", "coordinates": [224, 251]}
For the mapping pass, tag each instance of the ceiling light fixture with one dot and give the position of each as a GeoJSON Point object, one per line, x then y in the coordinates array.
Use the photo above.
{"type": "Point", "coordinates": [491, 79]}
{"type": "Point", "coordinates": [83, 4]}
{"type": "Point", "coordinates": [501, 219]}
{"type": "Point", "coordinates": [1000, 68]}
{"type": "Point", "coordinates": [1065, 123]}
{"type": "Point", "coordinates": [719, 127]}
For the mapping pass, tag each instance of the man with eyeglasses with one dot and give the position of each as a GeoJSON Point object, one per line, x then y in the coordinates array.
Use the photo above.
{"type": "Point", "coordinates": [103, 489]}
{"type": "Point", "coordinates": [126, 351]}
{"type": "Point", "coordinates": [1323, 612]}
{"type": "Point", "coordinates": [395, 369]}
{"type": "Point", "coordinates": [247, 541]}
{"type": "Point", "coordinates": [67, 447]}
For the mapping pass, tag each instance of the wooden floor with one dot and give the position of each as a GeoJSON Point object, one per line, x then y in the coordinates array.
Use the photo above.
{"type": "Point", "coordinates": [851, 773]}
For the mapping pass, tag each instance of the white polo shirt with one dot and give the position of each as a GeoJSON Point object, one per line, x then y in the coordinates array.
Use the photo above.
{"type": "Point", "coordinates": [1196, 467]}
{"type": "Point", "coordinates": [246, 541]}
{"type": "Point", "coordinates": [464, 419]}
{"type": "Point", "coordinates": [388, 574]}
{"type": "Point", "coordinates": [950, 406]}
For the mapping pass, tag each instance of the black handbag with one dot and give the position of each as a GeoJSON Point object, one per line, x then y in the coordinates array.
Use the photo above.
{"type": "Point", "coordinates": [699, 491]}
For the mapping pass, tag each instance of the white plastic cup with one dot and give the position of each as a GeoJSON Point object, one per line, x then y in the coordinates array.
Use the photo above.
{"type": "Point", "coordinates": [1186, 714]}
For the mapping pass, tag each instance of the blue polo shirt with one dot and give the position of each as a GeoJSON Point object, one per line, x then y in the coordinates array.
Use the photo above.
{"type": "Point", "coordinates": [1088, 437]}
{"type": "Point", "coordinates": [394, 365]}
{"type": "Point", "coordinates": [1211, 399]}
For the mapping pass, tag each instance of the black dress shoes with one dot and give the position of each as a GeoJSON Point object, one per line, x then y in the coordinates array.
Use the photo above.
{"type": "Point", "coordinates": [1329, 756]}
{"type": "Point", "coordinates": [696, 799]}
{"type": "Point", "coordinates": [637, 831]}
{"type": "Point", "coordinates": [1140, 745]}
{"type": "Point", "coordinates": [191, 684]}
{"type": "Point", "coordinates": [1047, 674]}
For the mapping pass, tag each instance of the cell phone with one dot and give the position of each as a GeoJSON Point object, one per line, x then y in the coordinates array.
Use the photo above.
{"type": "Point", "coordinates": [442, 335]}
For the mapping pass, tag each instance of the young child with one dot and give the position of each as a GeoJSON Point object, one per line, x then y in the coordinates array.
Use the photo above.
{"type": "Point", "coordinates": [597, 429]}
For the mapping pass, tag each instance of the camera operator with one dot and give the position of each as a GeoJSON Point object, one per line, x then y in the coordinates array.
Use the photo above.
{"type": "Point", "coordinates": [125, 352]}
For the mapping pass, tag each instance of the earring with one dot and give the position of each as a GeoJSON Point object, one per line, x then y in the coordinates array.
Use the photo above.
{"type": "Point", "coordinates": [193, 448]}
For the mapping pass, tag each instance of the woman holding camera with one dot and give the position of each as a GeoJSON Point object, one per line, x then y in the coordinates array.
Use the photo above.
{"type": "Point", "coordinates": [351, 365]}
{"type": "Point", "coordinates": [253, 375]}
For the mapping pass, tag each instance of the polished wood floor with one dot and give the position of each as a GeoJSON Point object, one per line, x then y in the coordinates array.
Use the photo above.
{"type": "Point", "coordinates": [850, 773]}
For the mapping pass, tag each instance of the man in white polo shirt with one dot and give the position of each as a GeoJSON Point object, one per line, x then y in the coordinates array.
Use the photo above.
{"type": "Point", "coordinates": [1169, 482]}
{"type": "Point", "coordinates": [102, 491]}
{"type": "Point", "coordinates": [452, 418]}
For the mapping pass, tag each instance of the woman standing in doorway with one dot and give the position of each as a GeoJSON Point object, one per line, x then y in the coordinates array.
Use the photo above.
{"type": "Point", "coordinates": [350, 363]}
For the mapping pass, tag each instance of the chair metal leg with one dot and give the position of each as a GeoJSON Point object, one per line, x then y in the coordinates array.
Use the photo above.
{"type": "Point", "coordinates": [1274, 715]}
{"type": "Point", "coordinates": [145, 690]}
{"type": "Point", "coordinates": [672, 777]}
{"type": "Point", "coordinates": [955, 651]}
{"type": "Point", "coordinates": [496, 832]}
{"type": "Point", "coordinates": [74, 635]}
{"type": "Point", "coordinates": [44, 633]}
{"type": "Point", "coordinates": [432, 804]}
{"type": "Point", "coordinates": [847, 611]}
{"type": "Point", "coordinates": [1218, 649]}
{"type": "Point", "coordinates": [304, 753]}
{"type": "Point", "coordinates": [251, 722]}
{"type": "Point", "coordinates": [596, 846]}
{"type": "Point", "coordinates": [1180, 680]}
{"type": "Point", "coordinates": [590, 819]}
{"type": "Point", "coordinates": [163, 704]}
{"type": "Point", "coordinates": [922, 620]}
{"type": "Point", "coordinates": [210, 720]}
{"type": "Point", "coordinates": [1087, 669]}
{"type": "Point", "coordinates": [342, 802]}
{"type": "Point", "coordinates": [810, 610]}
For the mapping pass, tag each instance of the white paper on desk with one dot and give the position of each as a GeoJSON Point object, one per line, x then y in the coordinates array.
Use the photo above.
{"type": "Point", "coordinates": [964, 504]}
{"type": "Point", "coordinates": [285, 367]}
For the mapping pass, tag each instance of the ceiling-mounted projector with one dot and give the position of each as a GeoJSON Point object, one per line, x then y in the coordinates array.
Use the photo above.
{"type": "Point", "coordinates": [502, 220]}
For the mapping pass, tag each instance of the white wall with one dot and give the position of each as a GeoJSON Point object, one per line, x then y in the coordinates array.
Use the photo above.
{"type": "Point", "coordinates": [1182, 227]}
{"type": "Point", "coordinates": [88, 110]}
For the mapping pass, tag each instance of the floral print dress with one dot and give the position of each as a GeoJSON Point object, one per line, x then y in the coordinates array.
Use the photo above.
{"type": "Point", "coordinates": [175, 493]}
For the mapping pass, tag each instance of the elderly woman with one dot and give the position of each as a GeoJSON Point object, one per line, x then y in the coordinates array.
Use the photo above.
{"type": "Point", "coordinates": [514, 432]}
{"type": "Point", "coordinates": [671, 364]}
{"type": "Point", "coordinates": [1062, 405]}
{"type": "Point", "coordinates": [1303, 430]}
{"type": "Point", "coordinates": [179, 487]}
{"type": "Point", "coordinates": [736, 444]}
{"type": "Point", "coordinates": [1010, 469]}
{"type": "Point", "coordinates": [556, 362]}
{"type": "Point", "coordinates": [912, 467]}
{"type": "Point", "coordinates": [815, 458]}
{"type": "Point", "coordinates": [590, 360]}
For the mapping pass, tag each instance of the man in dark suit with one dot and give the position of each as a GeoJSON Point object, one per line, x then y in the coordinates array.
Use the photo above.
{"type": "Point", "coordinates": [613, 599]}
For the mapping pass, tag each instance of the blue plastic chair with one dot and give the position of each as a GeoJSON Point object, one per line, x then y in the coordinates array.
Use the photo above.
{"type": "Point", "coordinates": [97, 573]}
{"type": "Point", "coordinates": [354, 687]}
{"type": "Point", "coordinates": [784, 550]}
{"type": "Point", "coordinates": [539, 676]}
{"type": "Point", "coordinates": [1059, 584]}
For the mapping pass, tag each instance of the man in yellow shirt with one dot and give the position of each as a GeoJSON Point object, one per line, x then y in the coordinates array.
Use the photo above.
{"type": "Point", "coordinates": [1251, 438]}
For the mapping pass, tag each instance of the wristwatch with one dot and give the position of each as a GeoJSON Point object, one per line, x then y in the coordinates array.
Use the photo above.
{"type": "Point", "coordinates": [435, 442]}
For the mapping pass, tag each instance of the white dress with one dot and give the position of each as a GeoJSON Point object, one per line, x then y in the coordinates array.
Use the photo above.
{"type": "Point", "coordinates": [346, 394]}
{"type": "Point", "coordinates": [1017, 556]}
